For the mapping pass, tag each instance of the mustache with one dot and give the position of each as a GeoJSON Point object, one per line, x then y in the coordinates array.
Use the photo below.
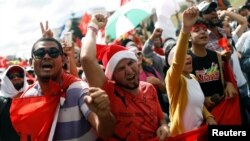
{"type": "Point", "coordinates": [212, 24]}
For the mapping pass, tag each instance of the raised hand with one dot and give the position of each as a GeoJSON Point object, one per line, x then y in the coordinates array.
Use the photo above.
{"type": "Point", "coordinates": [156, 33]}
{"type": "Point", "coordinates": [98, 101]}
{"type": "Point", "coordinates": [100, 20]}
{"type": "Point", "coordinates": [190, 16]}
{"type": "Point", "coordinates": [46, 32]}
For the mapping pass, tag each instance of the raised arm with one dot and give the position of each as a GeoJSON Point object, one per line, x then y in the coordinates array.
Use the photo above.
{"type": "Point", "coordinates": [147, 49]}
{"type": "Point", "coordinates": [70, 51]}
{"type": "Point", "coordinates": [238, 18]}
{"type": "Point", "coordinates": [177, 56]}
{"type": "Point", "coordinates": [94, 73]}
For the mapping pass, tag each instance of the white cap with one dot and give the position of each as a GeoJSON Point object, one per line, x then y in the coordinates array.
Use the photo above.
{"type": "Point", "coordinates": [204, 5]}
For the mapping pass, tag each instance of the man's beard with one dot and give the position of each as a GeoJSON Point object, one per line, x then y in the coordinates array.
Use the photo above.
{"type": "Point", "coordinates": [19, 86]}
{"type": "Point", "coordinates": [214, 24]}
{"type": "Point", "coordinates": [129, 87]}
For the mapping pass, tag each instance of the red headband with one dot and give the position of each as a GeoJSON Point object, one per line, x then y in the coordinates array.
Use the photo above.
{"type": "Point", "coordinates": [197, 26]}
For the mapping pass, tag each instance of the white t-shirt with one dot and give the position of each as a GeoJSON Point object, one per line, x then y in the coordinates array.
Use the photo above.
{"type": "Point", "coordinates": [192, 117]}
{"type": "Point", "coordinates": [234, 60]}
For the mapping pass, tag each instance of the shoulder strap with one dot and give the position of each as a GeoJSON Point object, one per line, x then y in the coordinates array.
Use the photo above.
{"type": "Point", "coordinates": [221, 68]}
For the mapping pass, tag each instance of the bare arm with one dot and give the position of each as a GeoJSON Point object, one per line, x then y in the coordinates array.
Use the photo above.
{"type": "Point", "coordinates": [163, 131]}
{"type": "Point", "coordinates": [92, 69]}
{"type": "Point", "coordinates": [100, 118]}
{"type": "Point", "coordinates": [71, 56]}
{"type": "Point", "coordinates": [238, 18]}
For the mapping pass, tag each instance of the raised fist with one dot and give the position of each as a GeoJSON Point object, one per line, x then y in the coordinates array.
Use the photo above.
{"type": "Point", "coordinates": [100, 20]}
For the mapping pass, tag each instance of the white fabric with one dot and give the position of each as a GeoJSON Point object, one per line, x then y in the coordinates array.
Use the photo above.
{"type": "Point", "coordinates": [7, 88]}
{"type": "Point", "coordinates": [192, 117]}
{"type": "Point", "coordinates": [171, 55]}
{"type": "Point", "coordinates": [238, 74]}
{"type": "Point", "coordinates": [164, 11]}
{"type": "Point", "coordinates": [53, 127]}
{"type": "Point", "coordinates": [241, 41]}
{"type": "Point", "coordinates": [115, 59]}
{"type": "Point", "coordinates": [126, 25]}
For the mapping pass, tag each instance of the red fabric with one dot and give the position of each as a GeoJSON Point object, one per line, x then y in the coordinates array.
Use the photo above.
{"type": "Point", "coordinates": [124, 2]}
{"type": "Point", "coordinates": [133, 36]}
{"type": "Point", "coordinates": [105, 52]}
{"type": "Point", "coordinates": [37, 113]}
{"type": "Point", "coordinates": [84, 23]}
{"type": "Point", "coordinates": [4, 63]}
{"type": "Point", "coordinates": [23, 63]}
{"type": "Point", "coordinates": [195, 135]}
{"type": "Point", "coordinates": [159, 51]}
{"type": "Point", "coordinates": [228, 111]}
{"type": "Point", "coordinates": [221, 5]}
{"type": "Point", "coordinates": [223, 42]}
{"type": "Point", "coordinates": [137, 116]}
{"type": "Point", "coordinates": [32, 117]}
{"type": "Point", "coordinates": [78, 42]}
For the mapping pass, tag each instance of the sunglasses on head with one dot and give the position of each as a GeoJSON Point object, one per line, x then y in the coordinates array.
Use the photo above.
{"type": "Point", "coordinates": [14, 75]}
{"type": "Point", "coordinates": [53, 52]}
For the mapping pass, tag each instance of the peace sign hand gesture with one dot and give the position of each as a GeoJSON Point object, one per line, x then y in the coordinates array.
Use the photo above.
{"type": "Point", "coordinates": [47, 33]}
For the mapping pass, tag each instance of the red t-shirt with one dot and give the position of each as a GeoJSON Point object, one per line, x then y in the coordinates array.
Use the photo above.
{"type": "Point", "coordinates": [159, 51]}
{"type": "Point", "coordinates": [138, 117]}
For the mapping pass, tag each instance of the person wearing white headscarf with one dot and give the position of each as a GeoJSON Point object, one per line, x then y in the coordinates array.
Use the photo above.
{"type": "Point", "coordinates": [13, 83]}
{"type": "Point", "coordinates": [10, 88]}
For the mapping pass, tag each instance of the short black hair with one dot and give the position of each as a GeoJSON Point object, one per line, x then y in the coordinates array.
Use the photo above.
{"type": "Point", "coordinates": [125, 41]}
{"type": "Point", "coordinates": [46, 39]}
{"type": "Point", "coordinates": [248, 19]}
{"type": "Point", "coordinates": [169, 44]}
{"type": "Point", "coordinates": [241, 8]}
{"type": "Point", "coordinates": [200, 20]}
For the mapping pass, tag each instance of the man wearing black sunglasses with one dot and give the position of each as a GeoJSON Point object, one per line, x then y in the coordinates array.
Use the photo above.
{"type": "Point", "coordinates": [13, 84]}
{"type": "Point", "coordinates": [69, 110]}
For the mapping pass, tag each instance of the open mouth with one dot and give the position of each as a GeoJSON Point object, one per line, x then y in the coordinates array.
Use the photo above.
{"type": "Point", "coordinates": [203, 37]}
{"type": "Point", "coordinates": [131, 77]}
{"type": "Point", "coordinates": [47, 66]}
{"type": "Point", "coordinates": [188, 63]}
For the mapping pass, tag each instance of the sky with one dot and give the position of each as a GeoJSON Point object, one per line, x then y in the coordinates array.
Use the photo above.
{"type": "Point", "coordinates": [19, 20]}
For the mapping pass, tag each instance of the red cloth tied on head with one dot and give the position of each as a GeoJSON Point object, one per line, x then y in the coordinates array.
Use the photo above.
{"type": "Point", "coordinates": [199, 25]}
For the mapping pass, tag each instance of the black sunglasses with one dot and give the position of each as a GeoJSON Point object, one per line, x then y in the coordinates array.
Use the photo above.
{"type": "Point", "coordinates": [14, 75]}
{"type": "Point", "coordinates": [53, 52]}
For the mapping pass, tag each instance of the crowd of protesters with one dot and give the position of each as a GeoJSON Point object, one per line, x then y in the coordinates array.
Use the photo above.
{"type": "Point", "coordinates": [139, 86]}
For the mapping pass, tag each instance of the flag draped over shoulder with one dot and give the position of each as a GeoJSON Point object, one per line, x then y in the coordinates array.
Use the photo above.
{"type": "Point", "coordinates": [32, 117]}
{"type": "Point", "coordinates": [227, 112]}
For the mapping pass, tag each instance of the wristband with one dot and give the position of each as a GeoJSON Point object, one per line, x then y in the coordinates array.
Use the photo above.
{"type": "Point", "coordinates": [92, 24]}
{"type": "Point", "coordinates": [93, 29]}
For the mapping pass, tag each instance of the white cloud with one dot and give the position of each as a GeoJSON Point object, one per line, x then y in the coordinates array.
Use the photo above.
{"type": "Point", "coordinates": [19, 26]}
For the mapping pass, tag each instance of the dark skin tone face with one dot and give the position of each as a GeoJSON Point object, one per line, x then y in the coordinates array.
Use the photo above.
{"type": "Point", "coordinates": [211, 17]}
{"type": "Point", "coordinates": [16, 80]}
{"type": "Point", "coordinates": [47, 68]}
